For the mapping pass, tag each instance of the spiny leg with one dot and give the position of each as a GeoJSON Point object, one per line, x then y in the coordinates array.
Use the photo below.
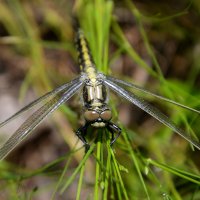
{"type": "Point", "coordinates": [81, 133]}
{"type": "Point", "coordinates": [114, 129]}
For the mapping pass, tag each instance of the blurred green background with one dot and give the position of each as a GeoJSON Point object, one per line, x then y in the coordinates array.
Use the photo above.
{"type": "Point", "coordinates": [154, 44]}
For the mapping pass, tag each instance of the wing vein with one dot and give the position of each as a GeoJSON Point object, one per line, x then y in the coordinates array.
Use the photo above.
{"type": "Point", "coordinates": [39, 100]}
{"type": "Point", "coordinates": [151, 110]}
{"type": "Point", "coordinates": [34, 120]}
{"type": "Point", "coordinates": [133, 86]}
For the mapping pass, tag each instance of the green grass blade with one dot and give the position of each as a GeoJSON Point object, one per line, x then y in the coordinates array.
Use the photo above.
{"type": "Point", "coordinates": [80, 183]}
{"type": "Point", "coordinates": [72, 177]}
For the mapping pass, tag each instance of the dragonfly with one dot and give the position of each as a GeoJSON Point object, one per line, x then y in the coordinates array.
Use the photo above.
{"type": "Point", "coordinates": [93, 87]}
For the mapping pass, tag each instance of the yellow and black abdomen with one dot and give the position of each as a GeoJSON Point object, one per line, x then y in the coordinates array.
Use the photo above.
{"type": "Point", "coordinates": [85, 59]}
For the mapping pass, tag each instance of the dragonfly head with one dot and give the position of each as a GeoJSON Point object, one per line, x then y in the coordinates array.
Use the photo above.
{"type": "Point", "coordinates": [98, 117]}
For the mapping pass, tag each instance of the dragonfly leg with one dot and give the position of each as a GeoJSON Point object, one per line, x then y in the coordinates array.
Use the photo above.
{"type": "Point", "coordinates": [114, 129]}
{"type": "Point", "coordinates": [81, 133]}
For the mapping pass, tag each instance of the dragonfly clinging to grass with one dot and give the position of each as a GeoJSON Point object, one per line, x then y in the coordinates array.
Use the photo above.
{"type": "Point", "coordinates": [94, 87]}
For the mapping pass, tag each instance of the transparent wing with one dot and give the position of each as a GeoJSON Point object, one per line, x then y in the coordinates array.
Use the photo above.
{"type": "Point", "coordinates": [39, 100]}
{"type": "Point", "coordinates": [151, 110]}
{"type": "Point", "coordinates": [25, 129]}
{"type": "Point", "coordinates": [133, 86]}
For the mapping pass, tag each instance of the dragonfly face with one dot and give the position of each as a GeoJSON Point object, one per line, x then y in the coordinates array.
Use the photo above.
{"type": "Point", "coordinates": [94, 86]}
{"type": "Point", "coordinates": [98, 118]}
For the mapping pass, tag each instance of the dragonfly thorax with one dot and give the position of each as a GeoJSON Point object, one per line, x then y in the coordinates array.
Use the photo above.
{"type": "Point", "coordinates": [96, 112]}
{"type": "Point", "coordinates": [94, 95]}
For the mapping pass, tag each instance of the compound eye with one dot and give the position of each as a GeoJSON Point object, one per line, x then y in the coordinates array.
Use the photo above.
{"type": "Point", "coordinates": [106, 115]}
{"type": "Point", "coordinates": [91, 115]}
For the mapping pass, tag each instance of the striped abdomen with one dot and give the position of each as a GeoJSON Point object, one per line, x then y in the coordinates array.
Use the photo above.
{"type": "Point", "coordinates": [84, 57]}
